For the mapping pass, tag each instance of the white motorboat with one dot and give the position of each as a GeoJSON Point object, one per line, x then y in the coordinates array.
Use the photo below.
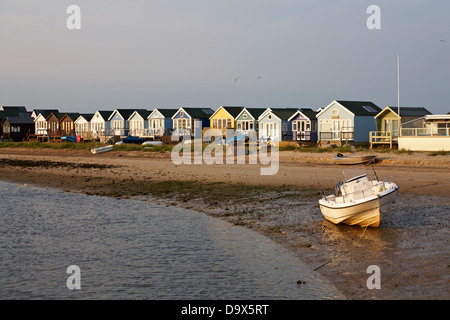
{"type": "Point", "coordinates": [102, 149]}
{"type": "Point", "coordinates": [358, 200]}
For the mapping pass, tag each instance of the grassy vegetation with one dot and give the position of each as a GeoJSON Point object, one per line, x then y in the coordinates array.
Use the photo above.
{"type": "Point", "coordinates": [82, 146]}
{"type": "Point", "coordinates": [168, 148]}
{"type": "Point", "coordinates": [46, 145]}
{"type": "Point", "coordinates": [403, 151]}
{"type": "Point", "coordinates": [318, 150]}
{"type": "Point", "coordinates": [438, 153]}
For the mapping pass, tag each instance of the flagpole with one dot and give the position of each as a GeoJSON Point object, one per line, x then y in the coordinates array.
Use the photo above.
{"type": "Point", "coordinates": [398, 93]}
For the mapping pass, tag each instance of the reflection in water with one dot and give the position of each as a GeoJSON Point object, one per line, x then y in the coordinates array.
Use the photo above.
{"type": "Point", "coordinates": [137, 250]}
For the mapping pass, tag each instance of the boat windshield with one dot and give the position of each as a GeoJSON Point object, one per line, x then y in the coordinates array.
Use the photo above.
{"type": "Point", "coordinates": [353, 172]}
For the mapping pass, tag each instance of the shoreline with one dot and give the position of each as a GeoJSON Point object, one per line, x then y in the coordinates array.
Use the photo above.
{"type": "Point", "coordinates": [410, 246]}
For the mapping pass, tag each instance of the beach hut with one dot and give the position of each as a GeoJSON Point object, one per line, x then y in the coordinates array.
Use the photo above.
{"type": "Point", "coordinates": [67, 124]}
{"type": "Point", "coordinates": [36, 112]}
{"type": "Point", "coordinates": [247, 120]}
{"type": "Point", "coordinates": [304, 125]}
{"type": "Point", "coordinates": [119, 121]}
{"type": "Point", "coordinates": [53, 128]}
{"type": "Point", "coordinates": [160, 122]}
{"type": "Point", "coordinates": [347, 121]}
{"type": "Point", "coordinates": [428, 133]}
{"type": "Point", "coordinates": [100, 125]}
{"type": "Point", "coordinates": [18, 128]}
{"type": "Point", "coordinates": [10, 112]}
{"type": "Point", "coordinates": [387, 119]}
{"type": "Point", "coordinates": [83, 126]}
{"type": "Point", "coordinates": [224, 118]}
{"type": "Point", "coordinates": [40, 124]}
{"type": "Point", "coordinates": [188, 119]}
{"type": "Point", "coordinates": [274, 124]}
{"type": "Point", "coordinates": [138, 123]}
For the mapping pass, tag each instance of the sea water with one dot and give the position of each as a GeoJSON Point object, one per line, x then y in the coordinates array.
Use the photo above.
{"type": "Point", "coordinates": [130, 249]}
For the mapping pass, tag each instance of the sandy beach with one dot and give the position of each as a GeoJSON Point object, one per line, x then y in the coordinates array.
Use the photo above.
{"type": "Point", "coordinates": [410, 247]}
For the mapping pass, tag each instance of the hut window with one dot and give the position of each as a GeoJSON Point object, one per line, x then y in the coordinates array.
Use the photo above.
{"type": "Point", "coordinates": [284, 127]}
{"type": "Point", "coordinates": [335, 112]}
{"type": "Point", "coordinates": [244, 116]}
{"type": "Point", "coordinates": [228, 123]}
{"type": "Point", "coordinates": [181, 114]}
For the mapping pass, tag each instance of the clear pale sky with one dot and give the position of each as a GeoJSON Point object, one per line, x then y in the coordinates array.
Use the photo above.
{"type": "Point", "coordinates": [173, 53]}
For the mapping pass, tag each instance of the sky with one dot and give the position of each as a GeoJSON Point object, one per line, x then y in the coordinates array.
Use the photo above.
{"type": "Point", "coordinates": [211, 53]}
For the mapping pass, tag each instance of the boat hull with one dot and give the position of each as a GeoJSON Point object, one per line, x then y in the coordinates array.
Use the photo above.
{"type": "Point", "coordinates": [69, 138]}
{"type": "Point", "coordinates": [131, 139]}
{"type": "Point", "coordinates": [354, 159]}
{"type": "Point", "coordinates": [102, 149]}
{"type": "Point", "coordinates": [367, 213]}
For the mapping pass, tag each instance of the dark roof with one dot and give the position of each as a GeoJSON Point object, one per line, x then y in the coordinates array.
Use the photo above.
{"type": "Point", "coordinates": [411, 112]}
{"type": "Point", "coordinates": [105, 114]}
{"type": "Point", "coordinates": [143, 113]}
{"type": "Point", "coordinates": [199, 112]}
{"type": "Point", "coordinates": [256, 112]}
{"type": "Point", "coordinates": [233, 111]}
{"type": "Point", "coordinates": [360, 108]}
{"type": "Point", "coordinates": [285, 113]}
{"type": "Point", "coordinates": [14, 108]}
{"type": "Point", "coordinates": [38, 111]}
{"type": "Point", "coordinates": [87, 116]}
{"type": "Point", "coordinates": [126, 113]}
{"type": "Point", "coordinates": [72, 115]}
{"type": "Point", "coordinates": [45, 112]}
{"type": "Point", "coordinates": [56, 114]}
{"type": "Point", "coordinates": [20, 120]}
{"type": "Point", "coordinates": [168, 112]}
{"type": "Point", "coordinates": [310, 113]}
{"type": "Point", "coordinates": [4, 114]}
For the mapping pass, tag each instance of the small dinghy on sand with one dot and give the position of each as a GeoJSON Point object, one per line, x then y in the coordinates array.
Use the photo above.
{"type": "Point", "coordinates": [102, 149]}
{"type": "Point", "coordinates": [362, 159]}
{"type": "Point", "coordinates": [358, 200]}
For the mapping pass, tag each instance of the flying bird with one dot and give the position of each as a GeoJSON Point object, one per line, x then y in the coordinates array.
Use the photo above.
{"type": "Point", "coordinates": [443, 41]}
{"type": "Point", "coordinates": [236, 79]}
{"type": "Point", "coordinates": [259, 77]}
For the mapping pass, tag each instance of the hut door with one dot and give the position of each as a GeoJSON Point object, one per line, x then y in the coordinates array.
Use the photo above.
{"type": "Point", "coordinates": [336, 129]}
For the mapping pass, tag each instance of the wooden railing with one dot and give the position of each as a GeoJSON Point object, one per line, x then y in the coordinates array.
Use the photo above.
{"type": "Point", "coordinates": [380, 137]}
{"type": "Point", "coordinates": [333, 135]}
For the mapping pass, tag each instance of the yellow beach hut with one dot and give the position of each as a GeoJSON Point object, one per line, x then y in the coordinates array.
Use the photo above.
{"type": "Point", "coordinates": [225, 118]}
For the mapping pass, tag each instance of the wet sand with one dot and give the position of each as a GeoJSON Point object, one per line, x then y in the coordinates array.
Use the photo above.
{"type": "Point", "coordinates": [410, 247]}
